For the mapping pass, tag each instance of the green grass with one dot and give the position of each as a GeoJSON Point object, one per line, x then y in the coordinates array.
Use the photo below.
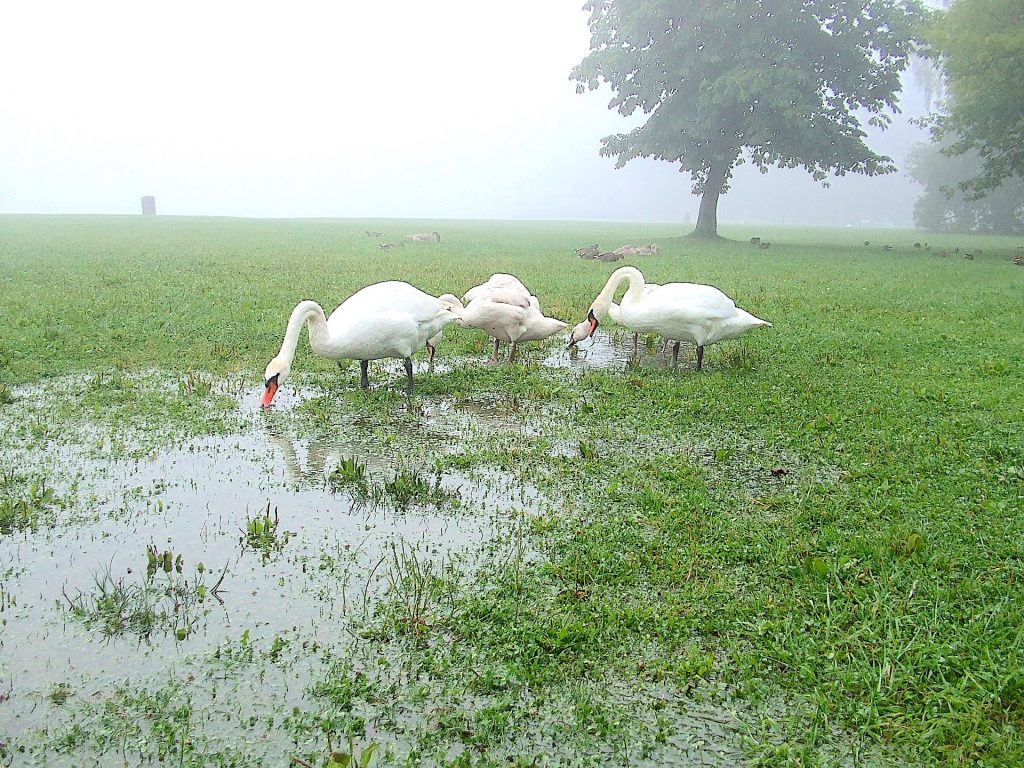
{"type": "Point", "coordinates": [164, 601]}
{"type": "Point", "coordinates": [24, 502]}
{"type": "Point", "coordinates": [868, 591]}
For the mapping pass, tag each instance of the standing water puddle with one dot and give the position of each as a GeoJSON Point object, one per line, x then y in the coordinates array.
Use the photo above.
{"type": "Point", "coordinates": [245, 599]}
{"type": "Point", "coordinates": [607, 350]}
{"type": "Point", "coordinates": [154, 563]}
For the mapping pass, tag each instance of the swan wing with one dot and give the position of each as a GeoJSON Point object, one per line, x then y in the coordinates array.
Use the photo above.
{"type": "Point", "coordinates": [387, 297]}
{"type": "Point", "coordinates": [688, 300]}
{"type": "Point", "coordinates": [497, 282]}
{"type": "Point", "coordinates": [389, 319]}
{"type": "Point", "coordinates": [685, 311]}
{"type": "Point", "coordinates": [498, 319]}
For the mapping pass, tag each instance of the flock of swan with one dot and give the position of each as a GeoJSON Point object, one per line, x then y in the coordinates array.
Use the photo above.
{"type": "Point", "coordinates": [394, 320]}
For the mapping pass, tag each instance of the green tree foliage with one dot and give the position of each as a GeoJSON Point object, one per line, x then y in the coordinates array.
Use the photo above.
{"type": "Point", "coordinates": [980, 44]}
{"type": "Point", "coordinates": [784, 83]}
{"type": "Point", "coordinates": [945, 208]}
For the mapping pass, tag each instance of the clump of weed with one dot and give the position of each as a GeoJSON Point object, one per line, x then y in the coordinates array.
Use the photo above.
{"type": "Point", "coordinates": [59, 694]}
{"type": "Point", "coordinates": [407, 488]}
{"type": "Point", "coordinates": [411, 488]}
{"type": "Point", "coordinates": [103, 381]}
{"type": "Point", "coordinates": [353, 758]}
{"type": "Point", "coordinates": [421, 590]}
{"type": "Point", "coordinates": [261, 533]}
{"type": "Point", "coordinates": [6, 396]}
{"type": "Point", "coordinates": [340, 693]}
{"type": "Point", "coordinates": [166, 600]}
{"type": "Point", "coordinates": [738, 356]}
{"type": "Point", "coordinates": [23, 501]}
{"type": "Point", "coordinates": [350, 475]}
{"type": "Point", "coordinates": [7, 601]}
{"type": "Point", "coordinates": [195, 384]}
{"type": "Point", "coordinates": [230, 656]}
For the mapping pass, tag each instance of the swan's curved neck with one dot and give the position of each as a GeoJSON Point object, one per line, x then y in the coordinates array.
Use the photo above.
{"type": "Point", "coordinates": [604, 299]}
{"type": "Point", "coordinates": [305, 312]}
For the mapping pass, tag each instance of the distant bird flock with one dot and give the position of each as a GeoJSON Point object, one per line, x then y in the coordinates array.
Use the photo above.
{"type": "Point", "coordinates": [394, 319]}
{"type": "Point", "coordinates": [594, 252]}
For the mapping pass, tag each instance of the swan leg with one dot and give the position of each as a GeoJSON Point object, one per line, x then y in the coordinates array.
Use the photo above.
{"type": "Point", "coordinates": [700, 355]}
{"type": "Point", "coordinates": [494, 355]}
{"type": "Point", "coordinates": [431, 351]}
{"type": "Point", "coordinates": [675, 355]}
{"type": "Point", "coordinates": [636, 344]}
{"type": "Point", "coordinates": [408, 376]}
{"type": "Point", "coordinates": [512, 350]}
{"type": "Point", "coordinates": [364, 379]}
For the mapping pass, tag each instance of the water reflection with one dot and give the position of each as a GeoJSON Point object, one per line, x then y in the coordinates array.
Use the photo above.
{"type": "Point", "coordinates": [607, 350]}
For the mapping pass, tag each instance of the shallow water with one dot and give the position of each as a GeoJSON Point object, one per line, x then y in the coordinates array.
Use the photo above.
{"type": "Point", "coordinates": [314, 591]}
{"type": "Point", "coordinates": [328, 562]}
{"type": "Point", "coordinates": [613, 350]}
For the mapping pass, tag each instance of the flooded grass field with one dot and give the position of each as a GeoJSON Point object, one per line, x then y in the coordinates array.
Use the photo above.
{"type": "Point", "coordinates": [808, 554]}
{"type": "Point", "coordinates": [150, 567]}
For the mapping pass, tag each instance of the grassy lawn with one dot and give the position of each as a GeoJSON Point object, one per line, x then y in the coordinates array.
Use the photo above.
{"type": "Point", "coordinates": [820, 537]}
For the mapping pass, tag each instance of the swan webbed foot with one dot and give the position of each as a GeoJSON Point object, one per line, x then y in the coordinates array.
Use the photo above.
{"type": "Point", "coordinates": [408, 375]}
{"type": "Point", "coordinates": [675, 355]}
{"type": "Point", "coordinates": [700, 355]}
{"type": "Point", "coordinates": [364, 378]}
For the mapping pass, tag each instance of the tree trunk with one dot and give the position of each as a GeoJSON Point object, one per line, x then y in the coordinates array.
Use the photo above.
{"type": "Point", "coordinates": [707, 218]}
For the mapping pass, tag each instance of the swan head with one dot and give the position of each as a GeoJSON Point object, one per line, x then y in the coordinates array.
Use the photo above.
{"type": "Point", "coordinates": [584, 330]}
{"type": "Point", "coordinates": [451, 307]}
{"type": "Point", "coordinates": [277, 371]}
{"type": "Point", "coordinates": [450, 299]}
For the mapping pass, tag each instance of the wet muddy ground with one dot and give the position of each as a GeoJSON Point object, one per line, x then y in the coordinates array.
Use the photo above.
{"type": "Point", "coordinates": [224, 576]}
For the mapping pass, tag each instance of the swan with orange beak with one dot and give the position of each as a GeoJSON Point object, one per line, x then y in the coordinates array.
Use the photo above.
{"type": "Point", "coordinates": [700, 314]}
{"type": "Point", "coordinates": [385, 320]}
{"type": "Point", "coordinates": [583, 330]}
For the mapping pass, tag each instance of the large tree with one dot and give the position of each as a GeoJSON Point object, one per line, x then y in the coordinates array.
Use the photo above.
{"type": "Point", "coordinates": [980, 46]}
{"type": "Point", "coordinates": [781, 82]}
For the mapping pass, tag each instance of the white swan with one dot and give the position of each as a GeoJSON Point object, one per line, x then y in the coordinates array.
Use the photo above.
{"type": "Point", "coordinates": [506, 310]}
{"type": "Point", "coordinates": [509, 321]}
{"type": "Point", "coordinates": [434, 340]}
{"type": "Point", "coordinates": [614, 314]}
{"type": "Point", "coordinates": [498, 282]}
{"type": "Point", "coordinates": [390, 319]}
{"type": "Point", "coordinates": [692, 312]}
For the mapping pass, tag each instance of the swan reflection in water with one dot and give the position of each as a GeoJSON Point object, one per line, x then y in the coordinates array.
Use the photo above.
{"type": "Point", "coordinates": [322, 455]}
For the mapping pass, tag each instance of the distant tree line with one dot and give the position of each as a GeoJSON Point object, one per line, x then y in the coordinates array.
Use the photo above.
{"type": "Point", "coordinates": [979, 46]}
{"type": "Point", "coordinates": [973, 172]}
{"type": "Point", "coordinates": [944, 206]}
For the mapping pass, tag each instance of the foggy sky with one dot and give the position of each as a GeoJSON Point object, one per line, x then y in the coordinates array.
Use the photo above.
{"type": "Point", "coordinates": [395, 108]}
